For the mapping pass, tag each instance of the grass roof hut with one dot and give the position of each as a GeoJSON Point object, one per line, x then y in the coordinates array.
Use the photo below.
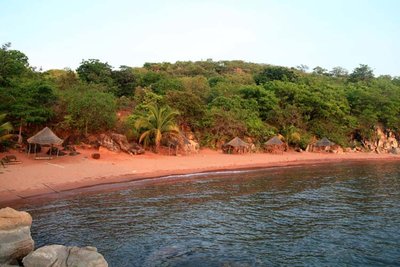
{"type": "Point", "coordinates": [45, 137]}
{"type": "Point", "coordinates": [323, 145]}
{"type": "Point", "coordinates": [275, 145]}
{"type": "Point", "coordinates": [236, 145]}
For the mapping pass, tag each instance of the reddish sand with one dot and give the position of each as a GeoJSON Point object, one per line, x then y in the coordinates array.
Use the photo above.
{"type": "Point", "coordinates": [38, 177]}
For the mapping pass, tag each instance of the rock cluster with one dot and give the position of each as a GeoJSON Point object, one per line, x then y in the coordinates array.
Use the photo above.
{"type": "Point", "coordinates": [15, 236]}
{"type": "Point", "coordinates": [16, 246]}
{"type": "Point", "coordinates": [118, 142]}
{"type": "Point", "coordinates": [385, 141]}
{"type": "Point", "coordinates": [62, 256]}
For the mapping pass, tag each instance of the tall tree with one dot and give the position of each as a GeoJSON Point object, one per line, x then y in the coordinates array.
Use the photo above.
{"type": "Point", "coordinates": [95, 71]}
{"type": "Point", "coordinates": [361, 73]}
{"type": "Point", "coordinates": [13, 63]}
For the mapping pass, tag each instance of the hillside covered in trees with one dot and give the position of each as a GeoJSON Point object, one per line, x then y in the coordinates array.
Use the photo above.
{"type": "Point", "coordinates": [214, 100]}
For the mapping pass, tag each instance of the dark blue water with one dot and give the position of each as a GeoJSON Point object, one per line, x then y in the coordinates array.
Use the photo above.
{"type": "Point", "coordinates": [344, 214]}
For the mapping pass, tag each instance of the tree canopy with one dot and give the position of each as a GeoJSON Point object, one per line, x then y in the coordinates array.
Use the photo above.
{"type": "Point", "coordinates": [214, 100]}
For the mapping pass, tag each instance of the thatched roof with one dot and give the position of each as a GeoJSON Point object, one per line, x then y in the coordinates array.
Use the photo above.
{"type": "Point", "coordinates": [237, 142]}
{"type": "Point", "coordinates": [324, 142]}
{"type": "Point", "coordinates": [45, 137]}
{"type": "Point", "coordinates": [274, 141]}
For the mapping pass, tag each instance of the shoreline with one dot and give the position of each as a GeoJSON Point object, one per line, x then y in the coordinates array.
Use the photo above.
{"type": "Point", "coordinates": [67, 175]}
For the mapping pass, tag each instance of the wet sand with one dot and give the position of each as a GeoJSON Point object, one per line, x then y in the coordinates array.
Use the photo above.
{"type": "Point", "coordinates": [40, 177]}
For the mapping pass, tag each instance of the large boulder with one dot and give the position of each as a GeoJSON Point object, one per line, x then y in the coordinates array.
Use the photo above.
{"type": "Point", "coordinates": [63, 256]}
{"type": "Point", "coordinates": [107, 142]}
{"type": "Point", "coordinates": [118, 142]}
{"type": "Point", "coordinates": [15, 236]}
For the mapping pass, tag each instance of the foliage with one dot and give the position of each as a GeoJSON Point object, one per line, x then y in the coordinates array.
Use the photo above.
{"type": "Point", "coordinates": [13, 63]}
{"type": "Point", "coordinates": [362, 73]}
{"type": "Point", "coordinates": [273, 73]}
{"type": "Point", "coordinates": [216, 100]}
{"type": "Point", "coordinates": [5, 128]}
{"type": "Point", "coordinates": [125, 81]}
{"type": "Point", "coordinates": [90, 109]}
{"type": "Point", "coordinates": [30, 101]}
{"type": "Point", "coordinates": [190, 107]}
{"type": "Point", "coordinates": [155, 124]}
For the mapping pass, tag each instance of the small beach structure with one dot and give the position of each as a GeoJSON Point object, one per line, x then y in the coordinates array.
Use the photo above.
{"type": "Point", "coordinates": [236, 145]}
{"type": "Point", "coordinates": [274, 145]}
{"type": "Point", "coordinates": [323, 145]}
{"type": "Point", "coordinates": [45, 137]}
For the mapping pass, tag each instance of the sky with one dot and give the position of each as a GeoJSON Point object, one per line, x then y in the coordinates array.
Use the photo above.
{"type": "Point", "coordinates": [57, 34]}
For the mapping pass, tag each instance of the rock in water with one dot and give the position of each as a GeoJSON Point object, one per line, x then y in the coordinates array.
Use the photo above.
{"type": "Point", "coordinates": [15, 236]}
{"type": "Point", "coordinates": [62, 256]}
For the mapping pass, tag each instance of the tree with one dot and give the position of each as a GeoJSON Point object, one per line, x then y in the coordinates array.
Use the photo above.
{"type": "Point", "coordinates": [339, 72]}
{"type": "Point", "coordinates": [155, 124]}
{"type": "Point", "coordinates": [89, 109]}
{"type": "Point", "coordinates": [95, 71]}
{"type": "Point", "coordinates": [266, 100]}
{"type": "Point", "coordinates": [190, 107]}
{"type": "Point", "coordinates": [63, 79]}
{"type": "Point", "coordinates": [302, 67]}
{"type": "Point", "coordinates": [13, 63]}
{"type": "Point", "coordinates": [125, 81]}
{"type": "Point", "coordinates": [361, 73]}
{"type": "Point", "coordinates": [320, 71]}
{"type": "Point", "coordinates": [29, 102]}
{"type": "Point", "coordinates": [272, 73]}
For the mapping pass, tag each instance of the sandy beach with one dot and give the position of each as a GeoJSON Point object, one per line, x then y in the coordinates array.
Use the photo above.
{"type": "Point", "coordinates": [39, 177]}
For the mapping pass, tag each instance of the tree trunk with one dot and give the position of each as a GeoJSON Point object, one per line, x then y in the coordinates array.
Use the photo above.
{"type": "Point", "coordinates": [20, 133]}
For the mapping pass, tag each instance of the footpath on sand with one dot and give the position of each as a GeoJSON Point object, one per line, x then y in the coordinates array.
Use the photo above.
{"type": "Point", "coordinates": [40, 177]}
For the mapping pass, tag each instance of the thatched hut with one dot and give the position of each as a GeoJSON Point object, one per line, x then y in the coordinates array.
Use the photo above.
{"type": "Point", "coordinates": [45, 137]}
{"type": "Point", "coordinates": [275, 145]}
{"type": "Point", "coordinates": [236, 145]}
{"type": "Point", "coordinates": [324, 145]}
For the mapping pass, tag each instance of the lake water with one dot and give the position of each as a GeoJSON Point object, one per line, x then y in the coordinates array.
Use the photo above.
{"type": "Point", "coordinates": [344, 214]}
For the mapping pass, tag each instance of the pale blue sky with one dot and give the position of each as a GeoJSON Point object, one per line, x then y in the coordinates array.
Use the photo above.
{"type": "Point", "coordinates": [58, 34]}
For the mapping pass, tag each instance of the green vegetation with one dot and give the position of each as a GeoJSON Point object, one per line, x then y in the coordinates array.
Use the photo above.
{"type": "Point", "coordinates": [5, 128]}
{"type": "Point", "coordinates": [214, 100]}
{"type": "Point", "coordinates": [155, 124]}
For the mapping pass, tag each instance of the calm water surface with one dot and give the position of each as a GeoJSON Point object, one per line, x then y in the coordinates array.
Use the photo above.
{"type": "Point", "coordinates": [345, 214]}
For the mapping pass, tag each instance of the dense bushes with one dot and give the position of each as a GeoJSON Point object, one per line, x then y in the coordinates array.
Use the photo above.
{"type": "Point", "coordinates": [214, 100]}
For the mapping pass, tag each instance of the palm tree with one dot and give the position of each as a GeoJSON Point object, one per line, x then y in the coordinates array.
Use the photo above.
{"type": "Point", "coordinates": [157, 123]}
{"type": "Point", "coordinates": [5, 128]}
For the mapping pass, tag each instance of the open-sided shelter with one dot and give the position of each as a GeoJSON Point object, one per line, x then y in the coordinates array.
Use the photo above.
{"type": "Point", "coordinates": [45, 137]}
{"type": "Point", "coordinates": [236, 145]}
{"type": "Point", "coordinates": [275, 145]}
{"type": "Point", "coordinates": [323, 145]}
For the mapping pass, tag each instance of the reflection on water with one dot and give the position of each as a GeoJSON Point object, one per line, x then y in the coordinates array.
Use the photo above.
{"type": "Point", "coordinates": [328, 215]}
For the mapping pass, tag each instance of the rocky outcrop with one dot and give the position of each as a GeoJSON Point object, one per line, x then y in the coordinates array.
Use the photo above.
{"type": "Point", "coordinates": [118, 142]}
{"type": "Point", "coordinates": [15, 236]}
{"type": "Point", "coordinates": [384, 142]}
{"type": "Point", "coordinates": [63, 256]}
{"type": "Point", "coordinates": [16, 246]}
{"type": "Point", "coordinates": [395, 150]}
{"type": "Point", "coordinates": [191, 147]}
